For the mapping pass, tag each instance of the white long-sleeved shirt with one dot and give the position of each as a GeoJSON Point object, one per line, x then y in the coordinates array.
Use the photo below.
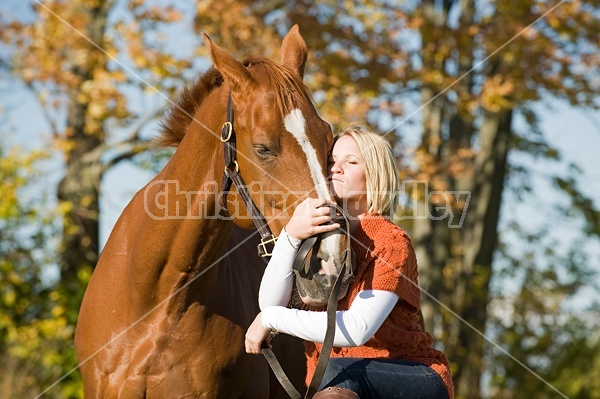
{"type": "Point", "coordinates": [354, 326]}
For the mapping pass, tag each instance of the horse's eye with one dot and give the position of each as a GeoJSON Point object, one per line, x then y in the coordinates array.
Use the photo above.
{"type": "Point", "coordinates": [263, 151]}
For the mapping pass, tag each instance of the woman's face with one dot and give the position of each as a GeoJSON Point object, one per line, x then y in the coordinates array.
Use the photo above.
{"type": "Point", "coordinates": [347, 171]}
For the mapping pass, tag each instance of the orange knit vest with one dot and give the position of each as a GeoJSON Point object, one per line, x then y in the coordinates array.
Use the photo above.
{"type": "Point", "coordinates": [385, 260]}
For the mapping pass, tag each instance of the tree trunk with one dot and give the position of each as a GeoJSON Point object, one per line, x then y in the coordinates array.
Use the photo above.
{"type": "Point", "coordinates": [78, 194]}
{"type": "Point", "coordinates": [430, 236]}
{"type": "Point", "coordinates": [78, 191]}
{"type": "Point", "coordinates": [465, 345]}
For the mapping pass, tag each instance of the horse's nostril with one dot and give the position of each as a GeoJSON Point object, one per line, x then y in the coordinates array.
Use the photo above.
{"type": "Point", "coordinates": [328, 267]}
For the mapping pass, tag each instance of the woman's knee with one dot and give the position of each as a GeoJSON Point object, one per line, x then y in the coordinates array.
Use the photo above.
{"type": "Point", "coordinates": [342, 373]}
{"type": "Point", "coordinates": [336, 392]}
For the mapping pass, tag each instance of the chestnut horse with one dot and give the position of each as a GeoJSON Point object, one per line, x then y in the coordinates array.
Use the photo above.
{"type": "Point", "coordinates": [167, 307]}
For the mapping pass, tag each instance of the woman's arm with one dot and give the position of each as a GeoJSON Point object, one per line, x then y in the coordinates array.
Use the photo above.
{"type": "Point", "coordinates": [354, 326]}
{"type": "Point", "coordinates": [307, 220]}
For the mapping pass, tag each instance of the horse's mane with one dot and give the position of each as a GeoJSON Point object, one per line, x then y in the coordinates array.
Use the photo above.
{"type": "Point", "coordinates": [182, 110]}
{"type": "Point", "coordinates": [289, 89]}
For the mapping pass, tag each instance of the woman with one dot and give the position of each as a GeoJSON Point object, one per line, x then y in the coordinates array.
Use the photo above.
{"type": "Point", "coordinates": [380, 349]}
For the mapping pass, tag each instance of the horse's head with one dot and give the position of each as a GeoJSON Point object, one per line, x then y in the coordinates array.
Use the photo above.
{"type": "Point", "coordinates": [316, 272]}
{"type": "Point", "coordinates": [281, 141]}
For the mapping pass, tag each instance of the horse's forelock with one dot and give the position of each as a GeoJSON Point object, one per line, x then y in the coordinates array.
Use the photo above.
{"type": "Point", "coordinates": [289, 88]}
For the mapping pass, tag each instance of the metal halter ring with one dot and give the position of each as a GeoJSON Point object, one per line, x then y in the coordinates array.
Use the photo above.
{"type": "Point", "coordinates": [237, 167]}
{"type": "Point", "coordinates": [229, 127]}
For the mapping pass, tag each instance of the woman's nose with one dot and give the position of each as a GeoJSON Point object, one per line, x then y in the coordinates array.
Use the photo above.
{"type": "Point", "coordinates": [335, 168]}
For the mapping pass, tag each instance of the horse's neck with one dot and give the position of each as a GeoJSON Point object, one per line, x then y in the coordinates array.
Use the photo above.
{"type": "Point", "coordinates": [171, 231]}
{"type": "Point", "coordinates": [193, 177]}
{"type": "Point", "coordinates": [234, 290]}
{"type": "Point", "coordinates": [227, 268]}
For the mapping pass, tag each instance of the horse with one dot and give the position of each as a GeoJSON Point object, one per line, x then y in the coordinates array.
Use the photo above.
{"type": "Point", "coordinates": [166, 309]}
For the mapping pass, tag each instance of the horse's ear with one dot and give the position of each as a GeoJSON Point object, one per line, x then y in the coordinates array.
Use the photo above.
{"type": "Point", "coordinates": [232, 69]}
{"type": "Point", "coordinates": [294, 51]}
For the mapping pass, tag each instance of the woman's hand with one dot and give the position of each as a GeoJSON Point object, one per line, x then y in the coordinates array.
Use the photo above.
{"type": "Point", "coordinates": [255, 336]}
{"type": "Point", "coordinates": [308, 219]}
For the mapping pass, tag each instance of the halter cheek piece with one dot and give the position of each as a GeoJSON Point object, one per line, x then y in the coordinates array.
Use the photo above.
{"type": "Point", "coordinates": [301, 263]}
{"type": "Point", "coordinates": [232, 175]}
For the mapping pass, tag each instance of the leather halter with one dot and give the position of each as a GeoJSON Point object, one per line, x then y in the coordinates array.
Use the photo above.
{"type": "Point", "coordinates": [232, 175]}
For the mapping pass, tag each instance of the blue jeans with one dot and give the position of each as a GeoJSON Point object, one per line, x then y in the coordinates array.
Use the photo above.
{"type": "Point", "coordinates": [384, 378]}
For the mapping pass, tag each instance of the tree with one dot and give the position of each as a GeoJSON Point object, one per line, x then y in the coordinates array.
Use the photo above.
{"type": "Point", "coordinates": [534, 320]}
{"type": "Point", "coordinates": [35, 327]}
{"type": "Point", "coordinates": [529, 67]}
{"type": "Point", "coordinates": [85, 60]}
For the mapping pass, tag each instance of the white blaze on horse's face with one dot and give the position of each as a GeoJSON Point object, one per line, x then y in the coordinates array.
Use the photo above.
{"type": "Point", "coordinates": [296, 125]}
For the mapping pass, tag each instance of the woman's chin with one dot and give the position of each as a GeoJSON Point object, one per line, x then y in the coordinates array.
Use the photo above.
{"type": "Point", "coordinates": [337, 194]}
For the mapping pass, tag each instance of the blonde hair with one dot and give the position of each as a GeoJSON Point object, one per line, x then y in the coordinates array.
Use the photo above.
{"type": "Point", "coordinates": [380, 167]}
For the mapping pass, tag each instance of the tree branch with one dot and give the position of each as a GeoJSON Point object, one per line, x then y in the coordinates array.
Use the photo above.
{"type": "Point", "coordinates": [5, 65]}
{"type": "Point", "coordinates": [53, 128]}
{"type": "Point", "coordinates": [135, 148]}
{"type": "Point", "coordinates": [134, 134]}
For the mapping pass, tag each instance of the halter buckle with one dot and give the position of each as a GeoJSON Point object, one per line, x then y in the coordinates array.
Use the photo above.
{"type": "Point", "coordinates": [263, 252]}
{"type": "Point", "coordinates": [226, 131]}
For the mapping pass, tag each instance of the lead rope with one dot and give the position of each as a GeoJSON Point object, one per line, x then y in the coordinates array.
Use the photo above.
{"type": "Point", "coordinates": [325, 350]}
